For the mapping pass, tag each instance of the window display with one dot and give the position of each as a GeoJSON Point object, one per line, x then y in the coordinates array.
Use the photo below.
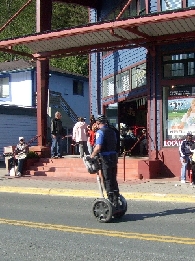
{"type": "Point", "coordinates": [179, 113]}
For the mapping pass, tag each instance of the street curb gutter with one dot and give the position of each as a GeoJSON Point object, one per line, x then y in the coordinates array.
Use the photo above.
{"type": "Point", "coordinates": [94, 194]}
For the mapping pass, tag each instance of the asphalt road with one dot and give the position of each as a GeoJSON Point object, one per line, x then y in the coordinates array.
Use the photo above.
{"type": "Point", "coordinates": [46, 228]}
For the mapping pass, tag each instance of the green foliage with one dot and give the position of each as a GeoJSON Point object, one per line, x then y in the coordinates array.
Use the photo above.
{"type": "Point", "coordinates": [76, 64]}
{"type": "Point", "coordinates": [64, 16]}
{"type": "Point", "coordinates": [23, 24]}
{"type": "Point", "coordinates": [32, 155]}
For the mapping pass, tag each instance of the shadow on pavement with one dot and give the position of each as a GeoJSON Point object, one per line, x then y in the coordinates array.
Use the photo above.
{"type": "Point", "coordinates": [136, 217]}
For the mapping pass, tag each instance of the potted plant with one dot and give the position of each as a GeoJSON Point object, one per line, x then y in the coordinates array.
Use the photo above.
{"type": "Point", "coordinates": [31, 158]}
{"type": "Point", "coordinates": [32, 155]}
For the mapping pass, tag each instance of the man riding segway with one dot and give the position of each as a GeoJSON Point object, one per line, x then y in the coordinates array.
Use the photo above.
{"type": "Point", "coordinates": [105, 152]}
{"type": "Point", "coordinates": [106, 146]}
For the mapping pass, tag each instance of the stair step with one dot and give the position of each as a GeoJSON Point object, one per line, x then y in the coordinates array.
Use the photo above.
{"type": "Point", "coordinates": [78, 176]}
{"type": "Point", "coordinates": [71, 160]}
{"type": "Point", "coordinates": [69, 175]}
{"type": "Point", "coordinates": [73, 168]}
{"type": "Point", "coordinates": [79, 164]}
{"type": "Point", "coordinates": [59, 168]}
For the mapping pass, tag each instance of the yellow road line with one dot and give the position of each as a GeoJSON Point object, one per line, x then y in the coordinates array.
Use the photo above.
{"type": "Point", "coordinates": [95, 194]}
{"type": "Point", "coordinates": [107, 233]}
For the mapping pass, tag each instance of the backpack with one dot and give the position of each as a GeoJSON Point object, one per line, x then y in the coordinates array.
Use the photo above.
{"type": "Point", "coordinates": [117, 137]}
{"type": "Point", "coordinates": [92, 164]}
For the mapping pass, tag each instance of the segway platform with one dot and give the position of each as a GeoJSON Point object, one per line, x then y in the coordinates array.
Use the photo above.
{"type": "Point", "coordinates": [103, 209]}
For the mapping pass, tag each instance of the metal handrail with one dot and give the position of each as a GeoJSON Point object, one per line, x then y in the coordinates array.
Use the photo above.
{"type": "Point", "coordinates": [129, 151]}
{"type": "Point", "coordinates": [65, 106]}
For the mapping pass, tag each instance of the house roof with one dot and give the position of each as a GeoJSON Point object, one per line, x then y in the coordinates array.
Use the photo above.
{"type": "Point", "coordinates": [15, 66]}
{"type": "Point", "coordinates": [20, 65]}
{"type": "Point", "coordinates": [158, 28]}
{"type": "Point", "coordinates": [10, 109]}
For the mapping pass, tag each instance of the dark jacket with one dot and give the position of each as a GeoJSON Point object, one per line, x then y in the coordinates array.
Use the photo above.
{"type": "Point", "coordinates": [184, 148]}
{"type": "Point", "coordinates": [117, 137]}
{"type": "Point", "coordinates": [56, 127]}
{"type": "Point", "coordinates": [110, 140]}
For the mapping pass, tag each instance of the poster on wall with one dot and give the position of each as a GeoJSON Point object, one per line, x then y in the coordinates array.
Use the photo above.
{"type": "Point", "coordinates": [181, 113]}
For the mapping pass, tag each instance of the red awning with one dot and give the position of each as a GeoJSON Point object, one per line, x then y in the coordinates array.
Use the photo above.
{"type": "Point", "coordinates": [129, 33]}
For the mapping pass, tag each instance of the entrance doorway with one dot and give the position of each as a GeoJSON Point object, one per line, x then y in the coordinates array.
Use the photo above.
{"type": "Point", "coordinates": [133, 113]}
{"type": "Point", "coordinates": [132, 117]}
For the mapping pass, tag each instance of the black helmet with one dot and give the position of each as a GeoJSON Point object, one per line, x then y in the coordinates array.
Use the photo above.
{"type": "Point", "coordinates": [101, 118]}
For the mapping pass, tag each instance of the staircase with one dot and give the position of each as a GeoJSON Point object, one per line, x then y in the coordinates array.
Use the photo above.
{"type": "Point", "coordinates": [56, 101]}
{"type": "Point", "coordinates": [72, 168]}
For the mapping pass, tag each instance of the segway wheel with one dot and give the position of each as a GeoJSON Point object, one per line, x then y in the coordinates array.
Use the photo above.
{"type": "Point", "coordinates": [122, 207]}
{"type": "Point", "coordinates": [102, 210]}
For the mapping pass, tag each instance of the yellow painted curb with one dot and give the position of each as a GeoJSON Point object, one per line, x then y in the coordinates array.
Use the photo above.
{"type": "Point", "coordinates": [51, 191]}
{"type": "Point", "coordinates": [95, 194]}
{"type": "Point", "coordinates": [160, 197]}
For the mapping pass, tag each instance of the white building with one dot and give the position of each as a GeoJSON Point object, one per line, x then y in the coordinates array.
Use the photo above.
{"type": "Point", "coordinates": [68, 93]}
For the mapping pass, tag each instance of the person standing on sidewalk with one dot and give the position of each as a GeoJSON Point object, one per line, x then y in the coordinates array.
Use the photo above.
{"type": "Point", "coordinates": [91, 137]}
{"type": "Point", "coordinates": [106, 148]}
{"type": "Point", "coordinates": [143, 143]}
{"type": "Point", "coordinates": [185, 155]}
{"type": "Point", "coordinates": [79, 135]}
{"type": "Point", "coordinates": [193, 164]}
{"type": "Point", "coordinates": [57, 134]}
{"type": "Point", "coordinates": [92, 120]}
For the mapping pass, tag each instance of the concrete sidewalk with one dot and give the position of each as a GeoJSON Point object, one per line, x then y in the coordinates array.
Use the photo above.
{"type": "Point", "coordinates": [157, 190]}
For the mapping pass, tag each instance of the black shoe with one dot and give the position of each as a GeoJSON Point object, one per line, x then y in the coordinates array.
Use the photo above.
{"type": "Point", "coordinates": [116, 202]}
{"type": "Point", "coordinates": [111, 196]}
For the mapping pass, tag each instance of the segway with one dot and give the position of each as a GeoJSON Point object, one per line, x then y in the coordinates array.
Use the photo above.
{"type": "Point", "coordinates": [103, 209]}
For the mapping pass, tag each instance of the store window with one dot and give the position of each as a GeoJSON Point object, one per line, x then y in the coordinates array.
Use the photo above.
{"type": "Point", "coordinates": [78, 88]}
{"type": "Point", "coordinates": [190, 3]}
{"type": "Point", "coordinates": [136, 8]}
{"type": "Point", "coordinates": [116, 84]}
{"type": "Point", "coordinates": [170, 4]}
{"type": "Point", "coordinates": [123, 81]}
{"type": "Point", "coordinates": [138, 76]}
{"type": "Point", "coordinates": [179, 65]}
{"type": "Point", "coordinates": [178, 113]}
{"type": "Point", "coordinates": [4, 87]}
{"type": "Point", "coordinates": [108, 87]}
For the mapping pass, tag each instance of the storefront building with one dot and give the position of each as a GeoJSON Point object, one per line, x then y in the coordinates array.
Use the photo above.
{"type": "Point", "coordinates": [141, 68]}
{"type": "Point", "coordinates": [151, 85]}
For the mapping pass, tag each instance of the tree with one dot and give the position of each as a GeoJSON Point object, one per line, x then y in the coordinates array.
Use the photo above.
{"type": "Point", "coordinates": [64, 16]}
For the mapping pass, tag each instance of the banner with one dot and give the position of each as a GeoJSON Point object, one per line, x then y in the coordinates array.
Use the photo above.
{"type": "Point", "coordinates": [181, 112]}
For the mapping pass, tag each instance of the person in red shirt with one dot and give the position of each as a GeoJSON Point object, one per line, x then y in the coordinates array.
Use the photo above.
{"type": "Point", "coordinates": [91, 137]}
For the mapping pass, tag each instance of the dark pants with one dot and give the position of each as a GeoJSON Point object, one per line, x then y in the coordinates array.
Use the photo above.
{"type": "Point", "coordinates": [16, 162]}
{"type": "Point", "coordinates": [20, 165]}
{"type": "Point", "coordinates": [83, 148]}
{"type": "Point", "coordinates": [193, 171]}
{"type": "Point", "coordinates": [109, 173]}
{"type": "Point", "coordinates": [56, 146]}
{"type": "Point", "coordinates": [143, 147]}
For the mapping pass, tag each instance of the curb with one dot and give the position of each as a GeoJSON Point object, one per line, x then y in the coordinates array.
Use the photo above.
{"type": "Point", "coordinates": [94, 194]}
